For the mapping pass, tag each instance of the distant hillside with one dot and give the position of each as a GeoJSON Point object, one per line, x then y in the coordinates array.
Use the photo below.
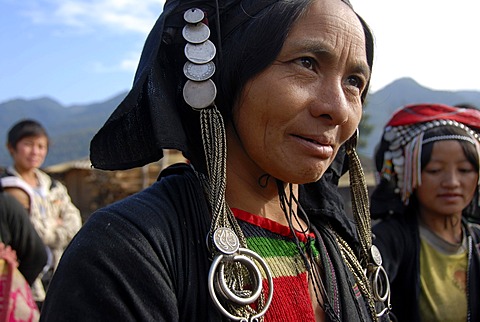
{"type": "Point", "coordinates": [72, 127]}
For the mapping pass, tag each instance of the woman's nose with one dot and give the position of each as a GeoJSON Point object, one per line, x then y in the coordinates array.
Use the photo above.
{"type": "Point", "coordinates": [330, 103]}
{"type": "Point", "coordinates": [38, 149]}
{"type": "Point", "coordinates": [451, 179]}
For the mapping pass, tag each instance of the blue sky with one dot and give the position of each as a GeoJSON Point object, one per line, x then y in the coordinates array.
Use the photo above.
{"type": "Point", "coordinates": [75, 51]}
{"type": "Point", "coordinates": [84, 51]}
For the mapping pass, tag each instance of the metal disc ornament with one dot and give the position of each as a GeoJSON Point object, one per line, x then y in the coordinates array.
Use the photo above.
{"type": "Point", "coordinates": [199, 95]}
{"type": "Point", "coordinates": [390, 135]}
{"type": "Point", "coordinates": [376, 256]}
{"type": "Point", "coordinates": [200, 53]}
{"type": "Point", "coordinates": [226, 240]}
{"type": "Point", "coordinates": [198, 72]}
{"type": "Point", "coordinates": [193, 15]}
{"type": "Point", "coordinates": [196, 33]}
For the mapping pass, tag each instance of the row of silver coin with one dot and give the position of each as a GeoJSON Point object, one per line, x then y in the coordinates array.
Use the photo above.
{"type": "Point", "coordinates": [199, 91]}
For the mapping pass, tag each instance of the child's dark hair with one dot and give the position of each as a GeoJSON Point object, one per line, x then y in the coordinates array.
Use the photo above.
{"type": "Point", "coordinates": [23, 129]}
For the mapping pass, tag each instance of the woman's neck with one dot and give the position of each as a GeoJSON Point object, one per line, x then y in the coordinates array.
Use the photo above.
{"type": "Point", "coordinates": [449, 228]}
{"type": "Point", "coordinates": [258, 196]}
{"type": "Point", "coordinates": [28, 175]}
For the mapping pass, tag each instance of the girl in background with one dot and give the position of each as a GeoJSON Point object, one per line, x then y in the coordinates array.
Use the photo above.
{"type": "Point", "coordinates": [52, 212]}
{"type": "Point", "coordinates": [428, 160]}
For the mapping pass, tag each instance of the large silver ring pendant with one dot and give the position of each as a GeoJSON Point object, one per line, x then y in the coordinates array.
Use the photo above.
{"type": "Point", "coordinates": [380, 284]}
{"type": "Point", "coordinates": [381, 289]}
{"type": "Point", "coordinates": [217, 284]}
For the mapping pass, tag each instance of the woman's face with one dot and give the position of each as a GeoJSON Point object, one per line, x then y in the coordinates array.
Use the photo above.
{"type": "Point", "coordinates": [29, 153]}
{"type": "Point", "coordinates": [292, 117]}
{"type": "Point", "coordinates": [449, 181]}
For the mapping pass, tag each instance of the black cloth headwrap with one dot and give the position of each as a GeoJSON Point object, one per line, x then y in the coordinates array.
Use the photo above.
{"type": "Point", "coordinates": [150, 118]}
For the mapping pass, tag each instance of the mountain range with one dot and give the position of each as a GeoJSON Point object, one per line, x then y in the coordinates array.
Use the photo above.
{"type": "Point", "coordinates": [71, 127]}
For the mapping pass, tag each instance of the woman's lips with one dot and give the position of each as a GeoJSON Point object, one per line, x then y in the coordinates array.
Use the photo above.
{"type": "Point", "coordinates": [450, 196]}
{"type": "Point", "coordinates": [320, 148]}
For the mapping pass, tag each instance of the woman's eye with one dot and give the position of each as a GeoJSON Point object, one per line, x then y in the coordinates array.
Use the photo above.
{"type": "Point", "coordinates": [356, 81]}
{"type": "Point", "coordinates": [306, 62]}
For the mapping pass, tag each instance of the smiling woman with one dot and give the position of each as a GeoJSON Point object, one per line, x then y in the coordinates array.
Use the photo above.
{"type": "Point", "coordinates": [263, 98]}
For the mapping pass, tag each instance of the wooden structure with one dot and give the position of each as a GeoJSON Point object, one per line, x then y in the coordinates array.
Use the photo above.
{"type": "Point", "coordinates": [91, 189]}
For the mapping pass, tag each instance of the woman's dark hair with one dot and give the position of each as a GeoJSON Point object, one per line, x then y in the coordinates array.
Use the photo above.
{"type": "Point", "coordinates": [245, 56]}
{"type": "Point", "coordinates": [469, 150]}
{"type": "Point", "coordinates": [23, 129]}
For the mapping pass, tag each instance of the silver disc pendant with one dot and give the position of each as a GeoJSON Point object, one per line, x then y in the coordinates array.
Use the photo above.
{"type": "Point", "coordinates": [226, 240]}
{"type": "Point", "coordinates": [196, 33]}
{"type": "Point", "coordinates": [193, 15]}
{"type": "Point", "coordinates": [199, 95]}
{"type": "Point", "coordinates": [198, 72]}
{"type": "Point", "coordinates": [376, 256]}
{"type": "Point", "coordinates": [200, 53]}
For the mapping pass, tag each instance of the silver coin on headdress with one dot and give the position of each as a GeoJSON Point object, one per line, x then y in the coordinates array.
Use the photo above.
{"type": "Point", "coordinates": [396, 153]}
{"type": "Point", "coordinates": [398, 161]}
{"type": "Point", "coordinates": [399, 169]}
{"type": "Point", "coordinates": [200, 53]}
{"type": "Point", "coordinates": [395, 145]}
{"type": "Point", "coordinates": [387, 155]}
{"type": "Point", "coordinates": [199, 95]}
{"type": "Point", "coordinates": [390, 134]}
{"type": "Point", "coordinates": [196, 33]}
{"type": "Point", "coordinates": [198, 72]}
{"type": "Point", "coordinates": [193, 15]}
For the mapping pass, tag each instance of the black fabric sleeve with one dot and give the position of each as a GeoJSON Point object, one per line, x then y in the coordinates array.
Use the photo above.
{"type": "Point", "coordinates": [389, 239]}
{"type": "Point", "coordinates": [18, 232]}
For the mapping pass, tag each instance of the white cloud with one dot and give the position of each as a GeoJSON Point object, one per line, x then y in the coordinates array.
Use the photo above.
{"type": "Point", "coordinates": [117, 15]}
{"type": "Point", "coordinates": [127, 64]}
{"type": "Point", "coordinates": [130, 63]}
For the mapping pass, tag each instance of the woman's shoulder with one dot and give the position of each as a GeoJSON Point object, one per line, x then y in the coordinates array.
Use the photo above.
{"type": "Point", "coordinates": [163, 216]}
{"type": "Point", "coordinates": [474, 230]}
{"type": "Point", "coordinates": [48, 183]}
